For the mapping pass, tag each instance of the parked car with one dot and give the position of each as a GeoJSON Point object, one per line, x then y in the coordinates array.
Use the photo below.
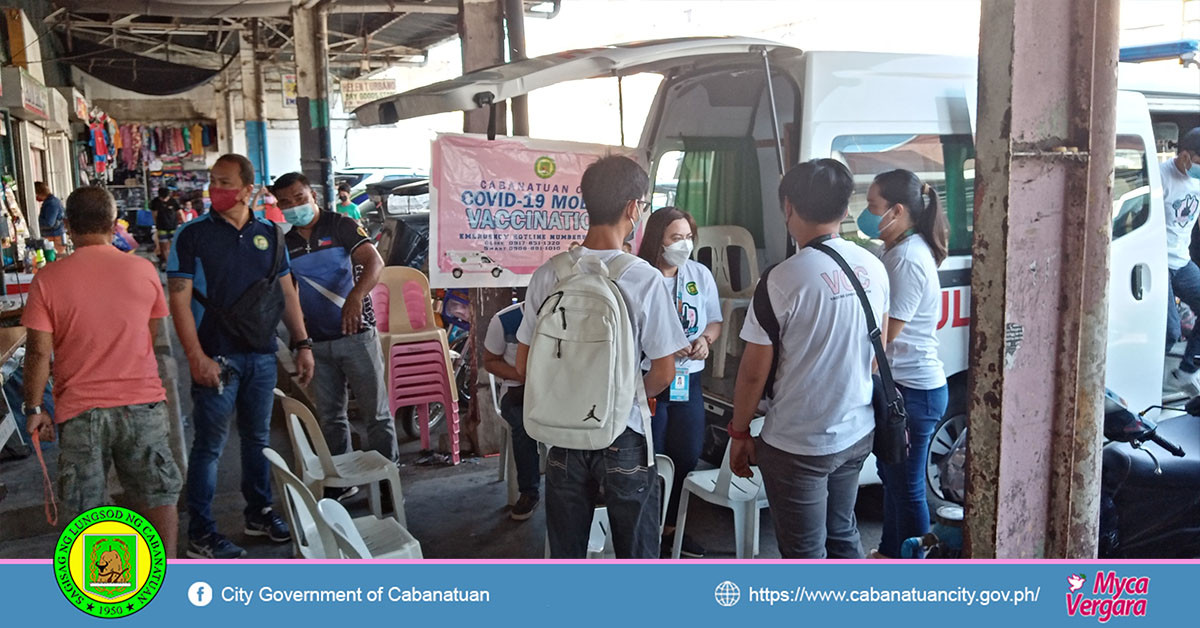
{"type": "Point", "coordinates": [360, 178]}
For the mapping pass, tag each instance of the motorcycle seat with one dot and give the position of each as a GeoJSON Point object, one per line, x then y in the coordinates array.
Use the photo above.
{"type": "Point", "coordinates": [1138, 468]}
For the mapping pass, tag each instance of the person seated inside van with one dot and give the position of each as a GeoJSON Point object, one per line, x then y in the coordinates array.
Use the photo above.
{"type": "Point", "coordinates": [1181, 200]}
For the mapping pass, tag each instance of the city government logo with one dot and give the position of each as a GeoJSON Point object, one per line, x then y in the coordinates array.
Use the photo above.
{"type": "Point", "coordinates": [727, 594]}
{"type": "Point", "coordinates": [544, 167]}
{"type": "Point", "coordinates": [110, 562]}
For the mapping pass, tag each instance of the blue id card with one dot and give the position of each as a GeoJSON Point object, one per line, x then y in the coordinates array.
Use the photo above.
{"type": "Point", "coordinates": [679, 385]}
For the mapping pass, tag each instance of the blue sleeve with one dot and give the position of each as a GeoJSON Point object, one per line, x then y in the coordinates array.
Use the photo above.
{"type": "Point", "coordinates": [181, 262]}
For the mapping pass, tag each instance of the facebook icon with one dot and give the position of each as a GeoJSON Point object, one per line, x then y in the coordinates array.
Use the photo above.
{"type": "Point", "coordinates": [200, 594]}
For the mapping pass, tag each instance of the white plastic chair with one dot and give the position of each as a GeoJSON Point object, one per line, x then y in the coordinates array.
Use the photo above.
{"type": "Point", "coordinates": [369, 536]}
{"type": "Point", "coordinates": [745, 496]}
{"type": "Point", "coordinates": [719, 239]}
{"type": "Point", "coordinates": [311, 538]}
{"type": "Point", "coordinates": [600, 544]}
{"type": "Point", "coordinates": [508, 464]}
{"type": "Point", "coordinates": [319, 468]}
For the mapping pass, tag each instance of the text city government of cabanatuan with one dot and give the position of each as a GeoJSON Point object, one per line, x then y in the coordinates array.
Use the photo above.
{"type": "Point", "coordinates": [357, 595]}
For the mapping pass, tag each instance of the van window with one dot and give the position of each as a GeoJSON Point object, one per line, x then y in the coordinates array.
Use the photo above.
{"type": "Point", "coordinates": [716, 180]}
{"type": "Point", "coordinates": [947, 162]}
{"type": "Point", "coordinates": [1131, 186]}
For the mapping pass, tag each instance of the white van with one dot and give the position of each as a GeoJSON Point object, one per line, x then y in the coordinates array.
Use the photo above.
{"type": "Point", "coordinates": [874, 112]}
{"type": "Point", "coordinates": [472, 262]}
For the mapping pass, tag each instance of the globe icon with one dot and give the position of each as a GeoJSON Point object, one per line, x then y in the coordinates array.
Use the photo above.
{"type": "Point", "coordinates": [727, 594]}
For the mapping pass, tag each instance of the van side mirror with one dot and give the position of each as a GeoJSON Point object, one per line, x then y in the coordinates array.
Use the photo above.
{"type": "Point", "coordinates": [1193, 406]}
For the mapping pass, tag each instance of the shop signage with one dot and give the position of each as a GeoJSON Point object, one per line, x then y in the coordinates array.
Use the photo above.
{"type": "Point", "coordinates": [361, 92]}
{"type": "Point", "coordinates": [502, 207]}
{"type": "Point", "coordinates": [24, 96]}
{"type": "Point", "coordinates": [289, 90]}
{"type": "Point", "coordinates": [34, 96]}
{"type": "Point", "coordinates": [81, 107]}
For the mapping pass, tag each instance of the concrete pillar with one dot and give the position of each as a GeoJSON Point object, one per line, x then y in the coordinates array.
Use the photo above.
{"type": "Point", "coordinates": [1045, 151]}
{"type": "Point", "coordinates": [312, 99]}
{"type": "Point", "coordinates": [481, 29]}
{"type": "Point", "coordinates": [253, 109]}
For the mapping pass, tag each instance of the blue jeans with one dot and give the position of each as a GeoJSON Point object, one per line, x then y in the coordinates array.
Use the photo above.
{"type": "Point", "coordinates": [525, 449]}
{"type": "Point", "coordinates": [574, 479]}
{"type": "Point", "coordinates": [249, 390]}
{"type": "Point", "coordinates": [679, 433]}
{"type": "Point", "coordinates": [1185, 284]}
{"type": "Point", "coordinates": [905, 511]}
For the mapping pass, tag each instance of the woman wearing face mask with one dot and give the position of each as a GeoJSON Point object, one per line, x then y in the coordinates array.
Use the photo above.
{"type": "Point", "coordinates": [679, 417]}
{"type": "Point", "coordinates": [903, 212]}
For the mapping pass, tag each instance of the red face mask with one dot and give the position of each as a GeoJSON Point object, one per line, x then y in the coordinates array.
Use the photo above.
{"type": "Point", "coordinates": [223, 200]}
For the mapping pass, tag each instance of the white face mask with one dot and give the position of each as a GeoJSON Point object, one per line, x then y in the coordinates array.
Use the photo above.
{"type": "Point", "coordinates": [678, 253]}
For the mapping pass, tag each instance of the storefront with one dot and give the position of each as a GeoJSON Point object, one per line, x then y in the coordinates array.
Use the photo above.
{"type": "Point", "coordinates": [28, 103]}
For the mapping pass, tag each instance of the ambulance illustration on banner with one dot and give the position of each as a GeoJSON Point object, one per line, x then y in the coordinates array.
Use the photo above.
{"type": "Point", "coordinates": [472, 262]}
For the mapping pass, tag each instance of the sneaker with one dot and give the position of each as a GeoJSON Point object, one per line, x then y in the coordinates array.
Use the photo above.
{"type": "Point", "coordinates": [341, 494]}
{"type": "Point", "coordinates": [214, 546]}
{"type": "Point", "coordinates": [1184, 382]}
{"type": "Point", "coordinates": [524, 507]}
{"type": "Point", "coordinates": [690, 548]}
{"type": "Point", "coordinates": [270, 525]}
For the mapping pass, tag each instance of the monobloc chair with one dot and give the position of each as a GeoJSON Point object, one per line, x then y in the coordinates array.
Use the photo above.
{"type": "Point", "coordinates": [745, 496]}
{"type": "Point", "coordinates": [311, 538]}
{"type": "Point", "coordinates": [369, 536]}
{"type": "Point", "coordinates": [319, 468]}
{"type": "Point", "coordinates": [720, 239]}
{"type": "Point", "coordinates": [508, 464]}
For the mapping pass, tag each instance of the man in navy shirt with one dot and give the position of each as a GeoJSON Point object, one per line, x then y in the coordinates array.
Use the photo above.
{"type": "Point", "coordinates": [216, 259]}
{"type": "Point", "coordinates": [50, 215]}
{"type": "Point", "coordinates": [335, 267]}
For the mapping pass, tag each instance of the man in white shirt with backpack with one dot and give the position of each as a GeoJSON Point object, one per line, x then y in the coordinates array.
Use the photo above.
{"type": "Point", "coordinates": [590, 315]}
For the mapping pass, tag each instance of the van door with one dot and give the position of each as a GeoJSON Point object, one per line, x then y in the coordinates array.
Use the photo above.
{"type": "Point", "coordinates": [1137, 292]}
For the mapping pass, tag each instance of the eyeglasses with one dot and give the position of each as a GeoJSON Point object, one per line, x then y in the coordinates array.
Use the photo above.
{"type": "Point", "coordinates": [642, 205]}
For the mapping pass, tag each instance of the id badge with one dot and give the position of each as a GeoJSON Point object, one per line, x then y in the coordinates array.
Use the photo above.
{"type": "Point", "coordinates": [679, 385]}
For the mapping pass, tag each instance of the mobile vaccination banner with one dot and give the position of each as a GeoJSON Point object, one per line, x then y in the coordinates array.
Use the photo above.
{"type": "Point", "coordinates": [502, 207]}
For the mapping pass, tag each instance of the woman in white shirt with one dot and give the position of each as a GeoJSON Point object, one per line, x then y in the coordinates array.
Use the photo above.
{"type": "Point", "coordinates": [903, 212]}
{"type": "Point", "coordinates": [679, 416]}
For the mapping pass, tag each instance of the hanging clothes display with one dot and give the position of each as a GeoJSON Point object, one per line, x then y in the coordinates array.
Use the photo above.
{"type": "Point", "coordinates": [197, 147]}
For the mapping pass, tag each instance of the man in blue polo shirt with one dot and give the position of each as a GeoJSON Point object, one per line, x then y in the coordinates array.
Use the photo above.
{"type": "Point", "coordinates": [335, 267]}
{"type": "Point", "coordinates": [226, 281]}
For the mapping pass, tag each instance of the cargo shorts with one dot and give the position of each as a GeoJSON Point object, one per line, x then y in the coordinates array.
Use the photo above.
{"type": "Point", "coordinates": [131, 438]}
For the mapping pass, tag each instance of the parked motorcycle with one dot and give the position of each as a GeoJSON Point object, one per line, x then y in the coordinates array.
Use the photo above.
{"type": "Point", "coordinates": [1150, 481]}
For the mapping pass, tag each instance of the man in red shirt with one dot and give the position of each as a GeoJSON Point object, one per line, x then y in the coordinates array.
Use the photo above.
{"type": "Point", "coordinates": [96, 312]}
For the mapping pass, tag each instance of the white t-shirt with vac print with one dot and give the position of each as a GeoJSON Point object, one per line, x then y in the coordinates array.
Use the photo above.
{"type": "Point", "coordinates": [1181, 195]}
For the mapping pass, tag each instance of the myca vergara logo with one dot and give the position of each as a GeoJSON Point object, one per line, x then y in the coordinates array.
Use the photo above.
{"type": "Point", "coordinates": [1110, 596]}
{"type": "Point", "coordinates": [110, 562]}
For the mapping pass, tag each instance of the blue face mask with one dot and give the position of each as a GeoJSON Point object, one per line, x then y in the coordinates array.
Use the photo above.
{"type": "Point", "coordinates": [299, 215]}
{"type": "Point", "coordinates": [1194, 171]}
{"type": "Point", "coordinates": [868, 223]}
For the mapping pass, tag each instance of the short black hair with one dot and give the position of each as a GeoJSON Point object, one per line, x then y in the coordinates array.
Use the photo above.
{"type": "Point", "coordinates": [1191, 141]}
{"type": "Point", "coordinates": [343, 187]}
{"type": "Point", "coordinates": [163, 192]}
{"type": "Point", "coordinates": [819, 190]}
{"type": "Point", "coordinates": [288, 180]}
{"type": "Point", "coordinates": [609, 184]}
{"type": "Point", "coordinates": [245, 168]}
{"type": "Point", "coordinates": [91, 210]}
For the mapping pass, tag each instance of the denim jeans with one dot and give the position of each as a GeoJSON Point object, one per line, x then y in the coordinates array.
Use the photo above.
{"type": "Point", "coordinates": [250, 391]}
{"type": "Point", "coordinates": [905, 511]}
{"type": "Point", "coordinates": [1185, 284]}
{"type": "Point", "coordinates": [525, 449]}
{"type": "Point", "coordinates": [356, 360]}
{"type": "Point", "coordinates": [574, 479]}
{"type": "Point", "coordinates": [812, 499]}
{"type": "Point", "coordinates": [679, 433]}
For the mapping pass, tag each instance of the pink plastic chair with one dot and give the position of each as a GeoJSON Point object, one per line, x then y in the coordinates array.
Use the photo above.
{"type": "Point", "coordinates": [418, 377]}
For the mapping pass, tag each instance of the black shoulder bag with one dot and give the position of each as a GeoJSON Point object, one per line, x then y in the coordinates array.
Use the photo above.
{"type": "Point", "coordinates": [253, 317]}
{"type": "Point", "coordinates": [891, 419]}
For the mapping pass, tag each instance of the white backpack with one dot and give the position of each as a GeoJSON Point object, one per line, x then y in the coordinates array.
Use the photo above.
{"type": "Point", "coordinates": [584, 371]}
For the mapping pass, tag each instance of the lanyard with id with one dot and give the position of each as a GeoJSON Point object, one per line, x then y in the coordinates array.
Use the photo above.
{"type": "Point", "coordinates": [680, 385]}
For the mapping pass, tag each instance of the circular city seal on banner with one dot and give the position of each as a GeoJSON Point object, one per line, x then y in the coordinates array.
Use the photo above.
{"type": "Point", "coordinates": [544, 167]}
{"type": "Point", "coordinates": [261, 242]}
{"type": "Point", "coordinates": [110, 562]}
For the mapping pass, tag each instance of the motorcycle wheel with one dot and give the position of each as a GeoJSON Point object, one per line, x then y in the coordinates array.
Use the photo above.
{"type": "Point", "coordinates": [410, 422]}
{"type": "Point", "coordinates": [944, 435]}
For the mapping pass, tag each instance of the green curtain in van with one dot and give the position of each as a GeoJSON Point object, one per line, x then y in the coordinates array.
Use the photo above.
{"type": "Point", "coordinates": [719, 183]}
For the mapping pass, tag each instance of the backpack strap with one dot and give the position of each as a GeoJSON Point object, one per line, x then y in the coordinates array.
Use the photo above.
{"type": "Point", "coordinates": [563, 265]}
{"type": "Point", "coordinates": [618, 265]}
{"type": "Point", "coordinates": [764, 313]}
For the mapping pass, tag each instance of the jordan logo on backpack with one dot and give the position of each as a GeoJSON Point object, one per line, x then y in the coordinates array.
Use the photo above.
{"type": "Point", "coordinates": [591, 415]}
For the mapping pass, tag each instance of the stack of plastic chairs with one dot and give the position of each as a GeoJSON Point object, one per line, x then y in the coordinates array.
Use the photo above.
{"type": "Point", "coordinates": [719, 239]}
{"type": "Point", "coordinates": [419, 367]}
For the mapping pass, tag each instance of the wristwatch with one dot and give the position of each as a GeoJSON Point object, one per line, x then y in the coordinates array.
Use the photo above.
{"type": "Point", "coordinates": [307, 343]}
{"type": "Point", "coordinates": [32, 410]}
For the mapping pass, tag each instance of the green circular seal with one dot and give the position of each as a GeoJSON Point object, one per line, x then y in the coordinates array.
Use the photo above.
{"type": "Point", "coordinates": [544, 167]}
{"type": "Point", "coordinates": [110, 562]}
